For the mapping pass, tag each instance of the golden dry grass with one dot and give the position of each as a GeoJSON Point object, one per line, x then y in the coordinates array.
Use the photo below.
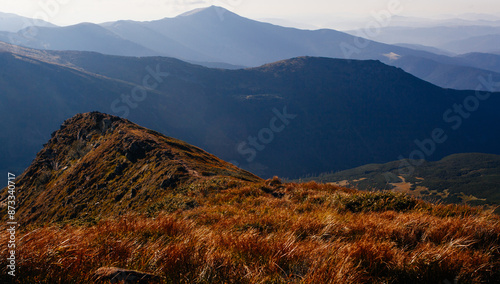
{"type": "Point", "coordinates": [273, 233]}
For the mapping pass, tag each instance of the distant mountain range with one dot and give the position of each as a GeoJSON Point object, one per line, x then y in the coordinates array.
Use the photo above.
{"type": "Point", "coordinates": [454, 39]}
{"type": "Point", "coordinates": [331, 114]}
{"type": "Point", "coordinates": [182, 199]}
{"type": "Point", "coordinates": [468, 19]}
{"type": "Point", "coordinates": [216, 37]}
{"type": "Point", "coordinates": [461, 178]}
{"type": "Point", "coordinates": [14, 23]}
{"type": "Point", "coordinates": [485, 44]}
{"type": "Point", "coordinates": [89, 37]}
{"type": "Point", "coordinates": [482, 60]}
{"type": "Point", "coordinates": [459, 76]}
{"type": "Point", "coordinates": [436, 35]}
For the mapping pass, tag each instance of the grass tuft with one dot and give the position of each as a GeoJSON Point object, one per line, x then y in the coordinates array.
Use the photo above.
{"type": "Point", "coordinates": [270, 232]}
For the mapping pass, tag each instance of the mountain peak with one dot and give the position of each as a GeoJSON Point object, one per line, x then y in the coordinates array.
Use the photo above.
{"type": "Point", "coordinates": [220, 12]}
{"type": "Point", "coordinates": [13, 23]}
{"type": "Point", "coordinates": [98, 164]}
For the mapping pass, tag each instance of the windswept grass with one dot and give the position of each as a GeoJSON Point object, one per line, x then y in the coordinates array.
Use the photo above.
{"type": "Point", "coordinates": [270, 232]}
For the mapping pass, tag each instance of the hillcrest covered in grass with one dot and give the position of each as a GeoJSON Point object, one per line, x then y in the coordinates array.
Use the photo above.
{"type": "Point", "coordinates": [98, 165]}
{"type": "Point", "coordinates": [220, 224]}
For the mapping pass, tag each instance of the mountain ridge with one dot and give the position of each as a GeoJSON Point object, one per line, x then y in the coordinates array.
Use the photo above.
{"type": "Point", "coordinates": [13, 23]}
{"type": "Point", "coordinates": [80, 37]}
{"type": "Point", "coordinates": [97, 165]}
{"type": "Point", "coordinates": [349, 113]}
{"type": "Point", "coordinates": [215, 34]}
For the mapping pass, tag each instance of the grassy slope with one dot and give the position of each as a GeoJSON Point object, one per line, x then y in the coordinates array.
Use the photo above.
{"type": "Point", "coordinates": [268, 232]}
{"type": "Point", "coordinates": [91, 199]}
{"type": "Point", "coordinates": [99, 165]}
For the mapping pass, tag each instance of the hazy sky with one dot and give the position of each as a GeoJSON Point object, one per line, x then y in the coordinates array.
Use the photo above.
{"type": "Point", "coordinates": [65, 12]}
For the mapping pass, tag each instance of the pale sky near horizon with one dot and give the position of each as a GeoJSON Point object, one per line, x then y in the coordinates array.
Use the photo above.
{"type": "Point", "coordinates": [66, 12]}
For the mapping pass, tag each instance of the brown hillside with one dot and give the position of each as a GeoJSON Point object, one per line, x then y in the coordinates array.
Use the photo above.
{"type": "Point", "coordinates": [171, 210]}
{"type": "Point", "coordinates": [100, 165]}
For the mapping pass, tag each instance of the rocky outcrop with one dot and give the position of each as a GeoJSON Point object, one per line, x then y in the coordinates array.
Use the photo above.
{"type": "Point", "coordinates": [97, 165]}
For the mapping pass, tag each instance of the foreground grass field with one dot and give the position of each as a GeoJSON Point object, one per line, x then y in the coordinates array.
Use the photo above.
{"type": "Point", "coordinates": [229, 231]}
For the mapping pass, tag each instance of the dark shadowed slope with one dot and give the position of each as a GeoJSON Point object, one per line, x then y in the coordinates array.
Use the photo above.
{"type": "Point", "coordinates": [291, 118]}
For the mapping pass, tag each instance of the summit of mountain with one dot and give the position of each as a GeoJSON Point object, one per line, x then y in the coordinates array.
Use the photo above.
{"type": "Point", "coordinates": [207, 12]}
{"type": "Point", "coordinates": [10, 22]}
{"type": "Point", "coordinates": [99, 165]}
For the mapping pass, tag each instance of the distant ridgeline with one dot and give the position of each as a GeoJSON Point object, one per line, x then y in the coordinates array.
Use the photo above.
{"type": "Point", "coordinates": [469, 178]}
{"type": "Point", "coordinates": [290, 118]}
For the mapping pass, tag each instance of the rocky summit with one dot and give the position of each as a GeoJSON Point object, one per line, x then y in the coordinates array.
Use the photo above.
{"type": "Point", "coordinates": [97, 165]}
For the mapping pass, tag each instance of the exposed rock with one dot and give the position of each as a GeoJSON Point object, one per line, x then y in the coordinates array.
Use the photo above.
{"type": "Point", "coordinates": [133, 167]}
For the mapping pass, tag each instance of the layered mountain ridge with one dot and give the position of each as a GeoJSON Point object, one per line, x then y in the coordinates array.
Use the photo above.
{"type": "Point", "coordinates": [347, 113]}
{"type": "Point", "coordinates": [216, 37]}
